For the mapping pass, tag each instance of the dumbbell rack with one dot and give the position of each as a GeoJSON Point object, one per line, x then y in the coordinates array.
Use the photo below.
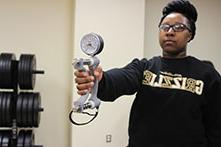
{"type": "Point", "coordinates": [18, 109]}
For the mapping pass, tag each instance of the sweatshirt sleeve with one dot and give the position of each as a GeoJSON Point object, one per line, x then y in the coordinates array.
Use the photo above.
{"type": "Point", "coordinates": [121, 81]}
{"type": "Point", "coordinates": [212, 114]}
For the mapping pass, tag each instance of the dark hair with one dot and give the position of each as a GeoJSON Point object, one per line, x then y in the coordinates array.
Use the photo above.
{"type": "Point", "coordinates": [185, 8]}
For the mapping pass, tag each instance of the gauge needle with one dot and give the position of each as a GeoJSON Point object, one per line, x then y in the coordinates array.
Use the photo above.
{"type": "Point", "coordinates": [89, 44]}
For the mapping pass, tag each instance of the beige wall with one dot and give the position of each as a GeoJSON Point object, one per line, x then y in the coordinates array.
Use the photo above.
{"type": "Point", "coordinates": [121, 24]}
{"type": "Point", "coordinates": [43, 27]}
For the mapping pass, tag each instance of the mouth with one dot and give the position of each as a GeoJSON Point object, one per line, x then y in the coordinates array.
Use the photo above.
{"type": "Point", "coordinates": [169, 42]}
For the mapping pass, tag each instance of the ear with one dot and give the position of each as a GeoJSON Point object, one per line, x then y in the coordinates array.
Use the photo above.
{"type": "Point", "coordinates": [189, 37]}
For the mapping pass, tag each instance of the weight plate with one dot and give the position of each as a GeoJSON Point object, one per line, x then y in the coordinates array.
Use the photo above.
{"type": "Point", "coordinates": [30, 109]}
{"type": "Point", "coordinates": [28, 71]}
{"type": "Point", "coordinates": [1, 136]}
{"type": "Point", "coordinates": [21, 69]}
{"type": "Point", "coordinates": [1, 97]}
{"type": "Point", "coordinates": [6, 108]}
{"type": "Point", "coordinates": [26, 68]}
{"type": "Point", "coordinates": [21, 138]}
{"type": "Point", "coordinates": [19, 108]}
{"type": "Point", "coordinates": [7, 68]}
{"type": "Point", "coordinates": [29, 139]}
{"type": "Point", "coordinates": [2, 71]}
{"type": "Point", "coordinates": [8, 112]}
{"type": "Point", "coordinates": [26, 74]}
{"type": "Point", "coordinates": [32, 76]}
{"type": "Point", "coordinates": [5, 139]}
{"type": "Point", "coordinates": [3, 108]}
{"type": "Point", "coordinates": [36, 110]}
{"type": "Point", "coordinates": [11, 70]}
{"type": "Point", "coordinates": [2, 79]}
{"type": "Point", "coordinates": [33, 65]}
{"type": "Point", "coordinates": [24, 110]}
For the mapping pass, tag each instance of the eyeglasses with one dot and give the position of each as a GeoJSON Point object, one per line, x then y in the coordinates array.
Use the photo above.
{"type": "Point", "coordinates": [176, 27]}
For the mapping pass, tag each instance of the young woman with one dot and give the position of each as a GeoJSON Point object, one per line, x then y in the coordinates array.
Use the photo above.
{"type": "Point", "coordinates": [178, 97]}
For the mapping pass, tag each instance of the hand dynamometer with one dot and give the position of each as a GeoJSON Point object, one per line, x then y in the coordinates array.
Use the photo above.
{"type": "Point", "coordinates": [91, 44]}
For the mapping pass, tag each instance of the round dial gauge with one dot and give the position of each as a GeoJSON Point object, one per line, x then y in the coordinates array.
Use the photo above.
{"type": "Point", "coordinates": [91, 44]}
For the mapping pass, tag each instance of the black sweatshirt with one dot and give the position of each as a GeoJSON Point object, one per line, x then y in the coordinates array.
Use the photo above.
{"type": "Point", "coordinates": [177, 104]}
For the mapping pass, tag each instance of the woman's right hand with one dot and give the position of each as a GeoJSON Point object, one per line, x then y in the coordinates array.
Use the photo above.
{"type": "Point", "coordinates": [85, 81]}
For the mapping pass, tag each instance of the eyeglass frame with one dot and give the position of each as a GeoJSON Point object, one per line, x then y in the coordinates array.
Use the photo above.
{"type": "Point", "coordinates": [185, 27]}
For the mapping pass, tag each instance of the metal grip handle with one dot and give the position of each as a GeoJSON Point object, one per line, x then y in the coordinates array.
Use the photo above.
{"type": "Point", "coordinates": [83, 102]}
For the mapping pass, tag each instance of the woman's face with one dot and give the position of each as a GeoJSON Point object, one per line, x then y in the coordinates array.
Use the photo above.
{"type": "Point", "coordinates": [174, 34]}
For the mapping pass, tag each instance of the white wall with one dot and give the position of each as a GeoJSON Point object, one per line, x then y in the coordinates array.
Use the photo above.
{"type": "Point", "coordinates": [121, 24]}
{"type": "Point", "coordinates": [44, 28]}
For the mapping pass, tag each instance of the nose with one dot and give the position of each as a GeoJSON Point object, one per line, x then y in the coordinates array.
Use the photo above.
{"type": "Point", "coordinates": [170, 32]}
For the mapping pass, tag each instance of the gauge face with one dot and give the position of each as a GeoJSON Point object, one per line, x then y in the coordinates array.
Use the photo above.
{"type": "Point", "coordinates": [91, 44]}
